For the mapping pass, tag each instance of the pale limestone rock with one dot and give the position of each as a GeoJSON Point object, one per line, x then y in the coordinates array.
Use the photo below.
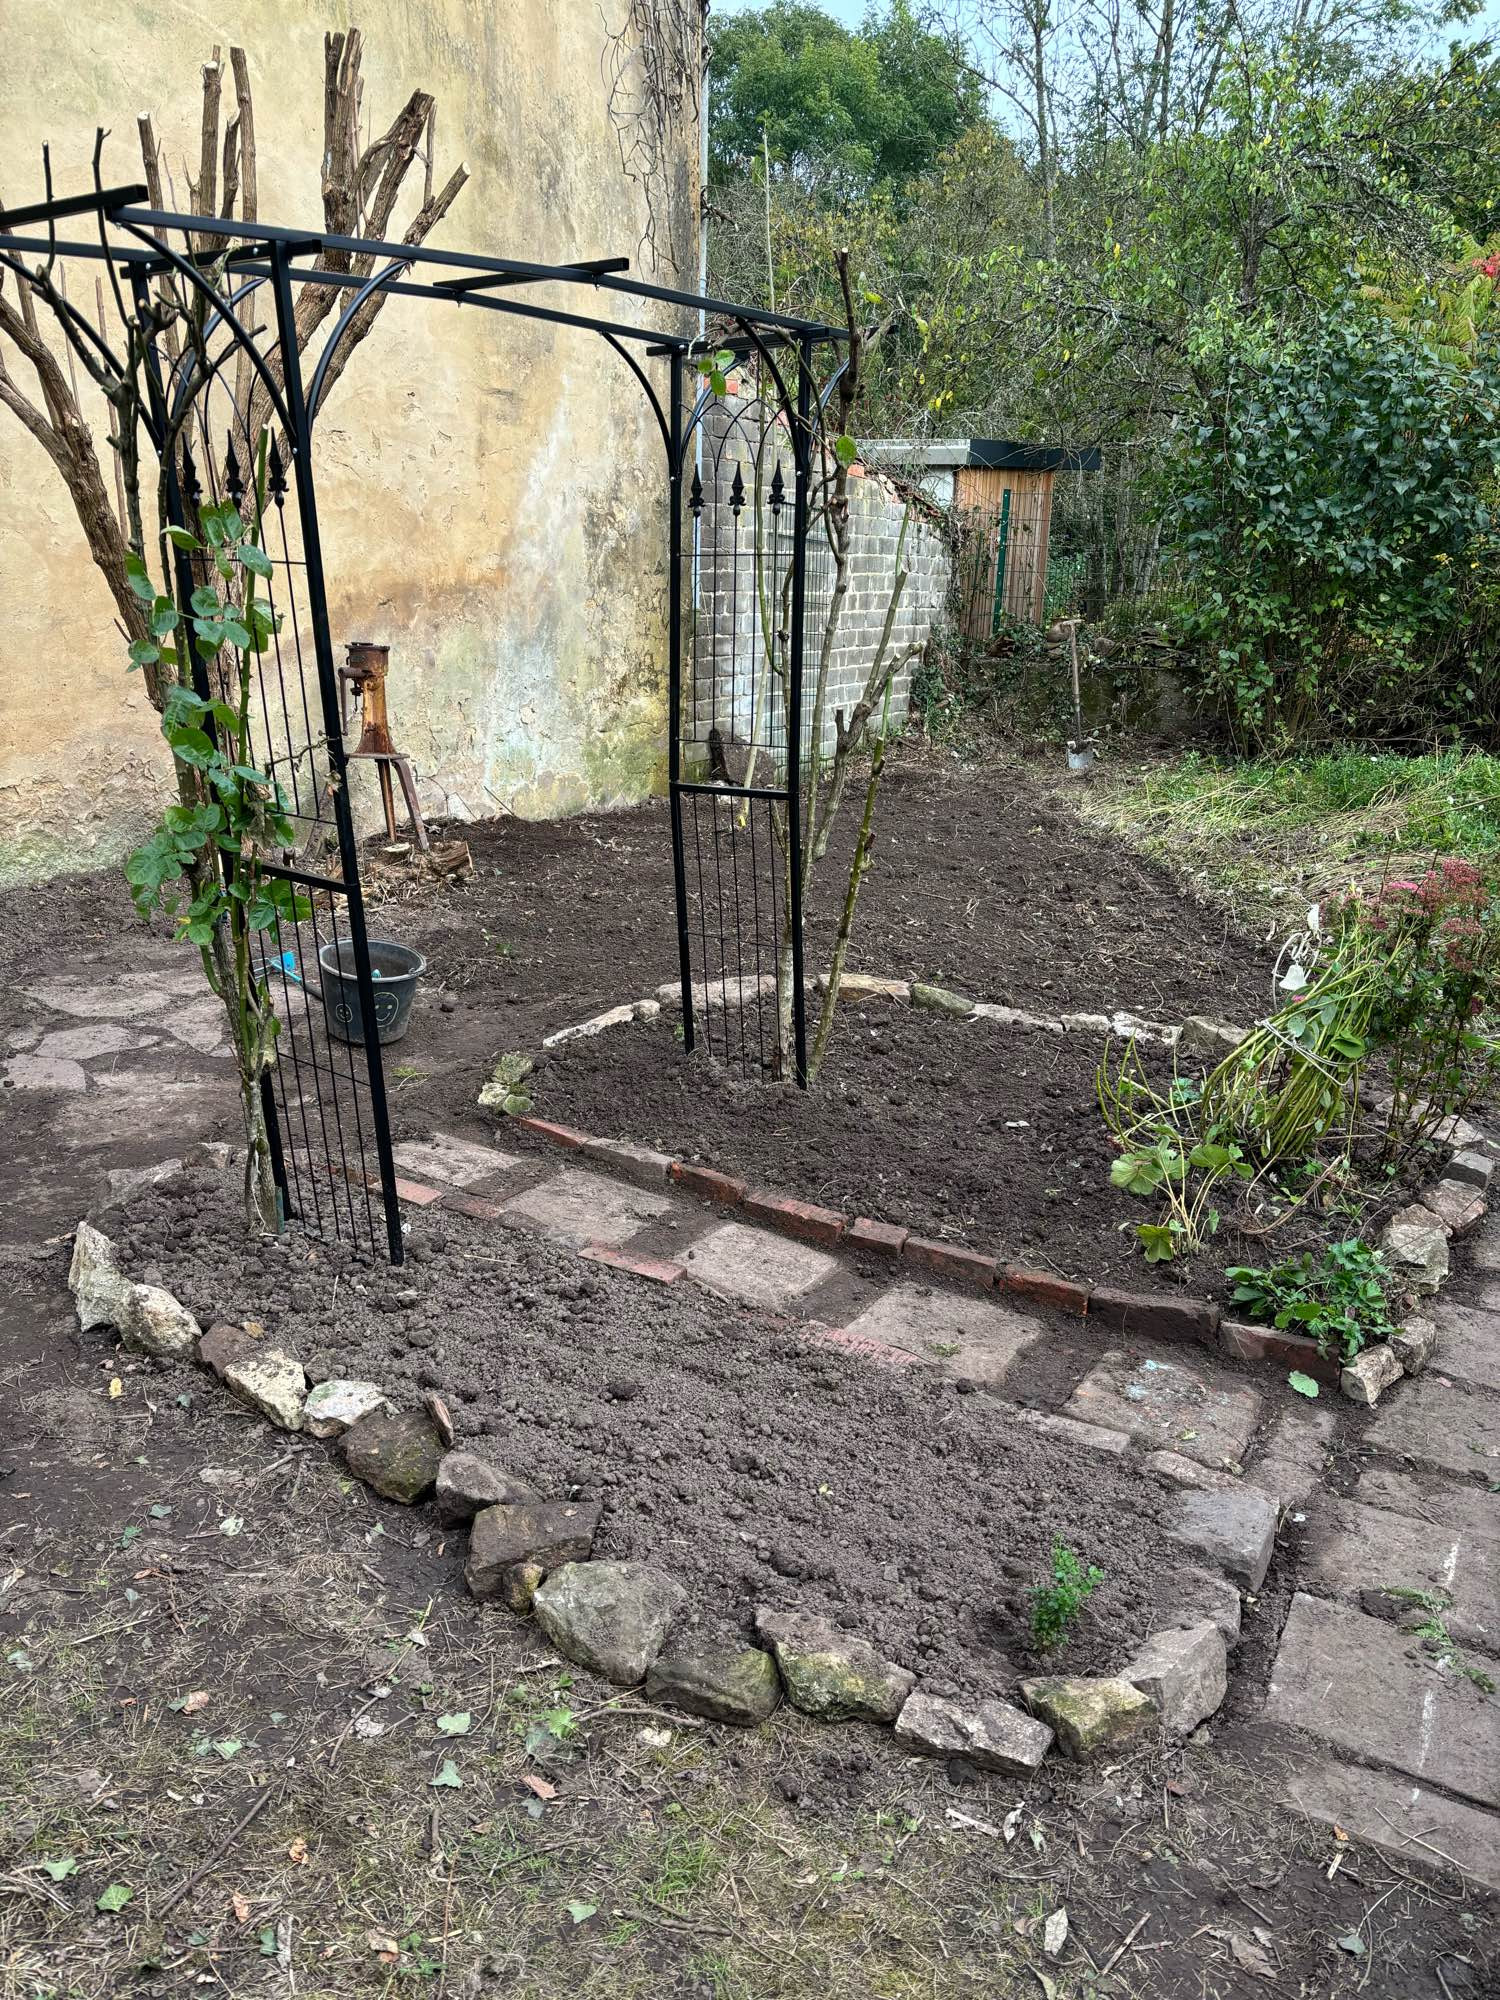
{"type": "Point", "coordinates": [1368, 1376]}
{"type": "Point", "coordinates": [271, 1381]}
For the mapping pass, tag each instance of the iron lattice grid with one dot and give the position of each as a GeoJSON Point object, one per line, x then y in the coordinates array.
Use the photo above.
{"type": "Point", "coordinates": [324, 1097]}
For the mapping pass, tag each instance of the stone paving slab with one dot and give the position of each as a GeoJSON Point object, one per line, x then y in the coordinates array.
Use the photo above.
{"type": "Point", "coordinates": [1352, 1548]}
{"type": "Point", "coordinates": [130, 996]}
{"type": "Point", "coordinates": [1291, 1464]}
{"type": "Point", "coordinates": [1202, 1413]}
{"type": "Point", "coordinates": [757, 1266]}
{"type": "Point", "coordinates": [579, 1208]}
{"type": "Point", "coordinates": [1438, 1425]}
{"type": "Point", "coordinates": [1359, 1684]}
{"type": "Point", "coordinates": [966, 1337]}
{"type": "Point", "coordinates": [454, 1162]}
{"type": "Point", "coordinates": [1437, 1501]}
{"type": "Point", "coordinates": [1399, 1818]}
{"type": "Point", "coordinates": [98, 1038]}
{"type": "Point", "coordinates": [1468, 1344]}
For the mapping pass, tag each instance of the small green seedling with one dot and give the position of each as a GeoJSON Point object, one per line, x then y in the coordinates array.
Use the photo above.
{"type": "Point", "coordinates": [1055, 1605]}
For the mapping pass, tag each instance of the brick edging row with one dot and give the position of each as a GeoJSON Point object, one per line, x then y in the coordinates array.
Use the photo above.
{"type": "Point", "coordinates": [1196, 1322]}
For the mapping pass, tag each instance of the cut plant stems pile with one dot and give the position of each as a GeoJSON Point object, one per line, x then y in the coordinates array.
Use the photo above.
{"type": "Point", "coordinates": [1405, 979]}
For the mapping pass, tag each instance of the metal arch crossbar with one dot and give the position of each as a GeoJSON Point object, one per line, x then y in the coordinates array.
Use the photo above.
{"type": "Point", "coordinates": [314, 1173]}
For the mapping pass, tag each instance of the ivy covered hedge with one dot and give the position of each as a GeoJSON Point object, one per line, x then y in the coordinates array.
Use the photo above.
{"type": "Point", "coordinates": [1338, 498]}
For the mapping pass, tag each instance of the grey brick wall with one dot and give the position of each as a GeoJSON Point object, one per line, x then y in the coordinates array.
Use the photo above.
{"type": "Point", "coordinates": [729, 649]}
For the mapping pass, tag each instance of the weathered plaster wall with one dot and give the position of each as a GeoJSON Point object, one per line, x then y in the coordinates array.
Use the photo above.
{"type": "Point", "coordinates": [492, 490]}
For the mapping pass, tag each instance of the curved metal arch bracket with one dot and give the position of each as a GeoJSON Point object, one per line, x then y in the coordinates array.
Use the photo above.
{"type": "Point", "coordinates": [700, 410]}
{"type": "Point", "coordinates": [335, 339]}
{"type": "Point", "coordinates": [183, 383]}
{"type": "Point", "coordinates": [651, 396]}
{"type": "Point", "coordinates": [196, 279]}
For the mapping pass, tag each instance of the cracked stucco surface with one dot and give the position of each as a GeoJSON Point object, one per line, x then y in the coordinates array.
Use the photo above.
{"type": "Point", "coordinates": [492, 490]}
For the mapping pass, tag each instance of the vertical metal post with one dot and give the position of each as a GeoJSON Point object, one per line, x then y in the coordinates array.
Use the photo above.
{"type": "Point", "coordinates": [317, 604]}
{"type": "Point", "coordinates": [1002, 557]}
{"type": "Point", "coordinates": [674, 693]}
{"type": "Point", "coordinates": [801, 503]}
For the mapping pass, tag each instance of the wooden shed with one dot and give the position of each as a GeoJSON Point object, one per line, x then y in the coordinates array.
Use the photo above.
{"type": "Point", "coordinates": [999, 496]}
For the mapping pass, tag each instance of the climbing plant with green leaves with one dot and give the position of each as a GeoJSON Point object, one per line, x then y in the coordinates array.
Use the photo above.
{"type": "Point", "coordinates": [208, 863]}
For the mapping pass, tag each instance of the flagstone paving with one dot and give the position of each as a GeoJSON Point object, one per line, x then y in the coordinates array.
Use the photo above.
{"type": "Point", "coordinates": [1431, 1421]}
{"type": "Point", "coordinates": [1351, 1548]}
{"type": "Point", "coordinates": [1358, 1683]}
{"type": "Point", "coordinates": [580, 1208]}
{"type": "Point", "coordinates": [1204, 1413]}
{"type": "Point", "coordinates": [967, 1337]}
{"type": "Point", "coordinates": [751, 1264]}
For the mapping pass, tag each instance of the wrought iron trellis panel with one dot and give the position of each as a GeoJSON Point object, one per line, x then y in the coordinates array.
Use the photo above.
{"type": "Point", "coordinates": [323, 1094]}
{"type": "Point", "coordinates": [744, 569]}
{"type": "Point", "coordinates": [325, 1097]}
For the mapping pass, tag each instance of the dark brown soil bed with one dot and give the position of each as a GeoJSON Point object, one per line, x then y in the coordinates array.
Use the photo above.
{"type": "Point", "coordinates": [985, 879]}
{"type": "Point", "coordinates": [725, 1446]}
{"type": "Point", "coordinates": [963, 1130]}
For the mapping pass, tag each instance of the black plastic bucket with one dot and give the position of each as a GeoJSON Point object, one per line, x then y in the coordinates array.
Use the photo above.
{"type": "Point", "coordinates": [395, 969]}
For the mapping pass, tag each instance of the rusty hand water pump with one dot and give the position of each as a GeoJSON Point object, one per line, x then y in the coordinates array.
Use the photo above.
{"type": "Point", "coordinates": [362, 686]}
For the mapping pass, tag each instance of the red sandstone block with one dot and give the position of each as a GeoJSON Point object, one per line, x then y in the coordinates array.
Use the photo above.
{"type": "Point", "coordinates": [882, 1239]}
{"type": "Point", "coordinates": [802, 1219]}
{"type": "Point", "coordinates": [1269, 1343]}
{"type": "Point", "coordinates": [559, 1135]}
{"type": "Point", "coordinates": [708, 1183]}
{"type": "Point", "coordinates": [952, 1261]}
{"type": "Point", "coordinates": [1045, 1288]}
{"type": "Point", "coordinates": [879, 1352]}
{"type": "Point", "coordinates": [1152, 1317]}
{"type": "Point", "coordinates": [418, 1195]}
{"type": "Point", "coordinates": [473, 1205]}
{"type": "Point", "coordinates": [655, 1268]}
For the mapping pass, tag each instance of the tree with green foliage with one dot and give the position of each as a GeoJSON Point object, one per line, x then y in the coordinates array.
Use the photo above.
{"type": "Point", "coordinates": [839, 112]}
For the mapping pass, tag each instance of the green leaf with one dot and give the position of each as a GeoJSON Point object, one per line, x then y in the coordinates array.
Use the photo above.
{"type": "Point", "coordinates": [61, 1870]}
{"type": "Point", "coordinates": [227, 1747]}
{"type": "Point", "coordinates": [268, 1941]}
{"type": "Point", "coordinates": [447, 1775]}
{"type": "Point", "coordinates": [1136, 1174]}
{"type": "Point", "coordinates": [114, 1898]}
{"type": "Point", "coordinates": [845, 450]}
{"type": "Point", "coordinates": [581, 1912]}
{"type": "Point", "coordinates": [456, 1724]}
{"type": "Point", "coordinates": [143, 653]}
{"type": "Point", "coordinates": [1158, 1242]}
{"type": "Point", "coordinates": [140, 583]}
{"type": "Point", "coordinates": [1303, 1384]}
{"type": "Point", "coordinates": [183, 538]}
{"type": "Point", "coordinates": [205, 601]}
{"type": "Point", "coordinates": [256, 560]}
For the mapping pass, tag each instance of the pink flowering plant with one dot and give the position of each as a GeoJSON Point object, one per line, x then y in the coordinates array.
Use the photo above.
{"type": "Point", "coordinates": [1435, 1015]}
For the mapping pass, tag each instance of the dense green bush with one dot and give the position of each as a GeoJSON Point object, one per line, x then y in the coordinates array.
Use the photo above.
{"type": "Point", "coordinates": [1336, 505]}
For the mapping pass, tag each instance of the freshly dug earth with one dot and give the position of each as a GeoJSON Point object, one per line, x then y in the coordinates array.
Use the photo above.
{"type": "Point", "coordinates": [957, 1129]}
{"type": "Point", "coordinates": [726, 1447]}
{"type": "Point", "coordinates": [985, 880]}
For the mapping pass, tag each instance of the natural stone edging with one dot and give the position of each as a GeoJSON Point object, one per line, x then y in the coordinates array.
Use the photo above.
{"type": "Point", "coordinates": [616, 1617]}
{"type": "Point", "coordinates": [1416, 1240]}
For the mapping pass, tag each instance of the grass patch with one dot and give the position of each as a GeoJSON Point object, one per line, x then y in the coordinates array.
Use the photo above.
{"type": "Point", "coordinates": [1266, 829]}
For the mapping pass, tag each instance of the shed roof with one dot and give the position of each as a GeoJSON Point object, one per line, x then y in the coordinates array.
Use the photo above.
{"type": "Point", "coordinates": [997, 454]}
